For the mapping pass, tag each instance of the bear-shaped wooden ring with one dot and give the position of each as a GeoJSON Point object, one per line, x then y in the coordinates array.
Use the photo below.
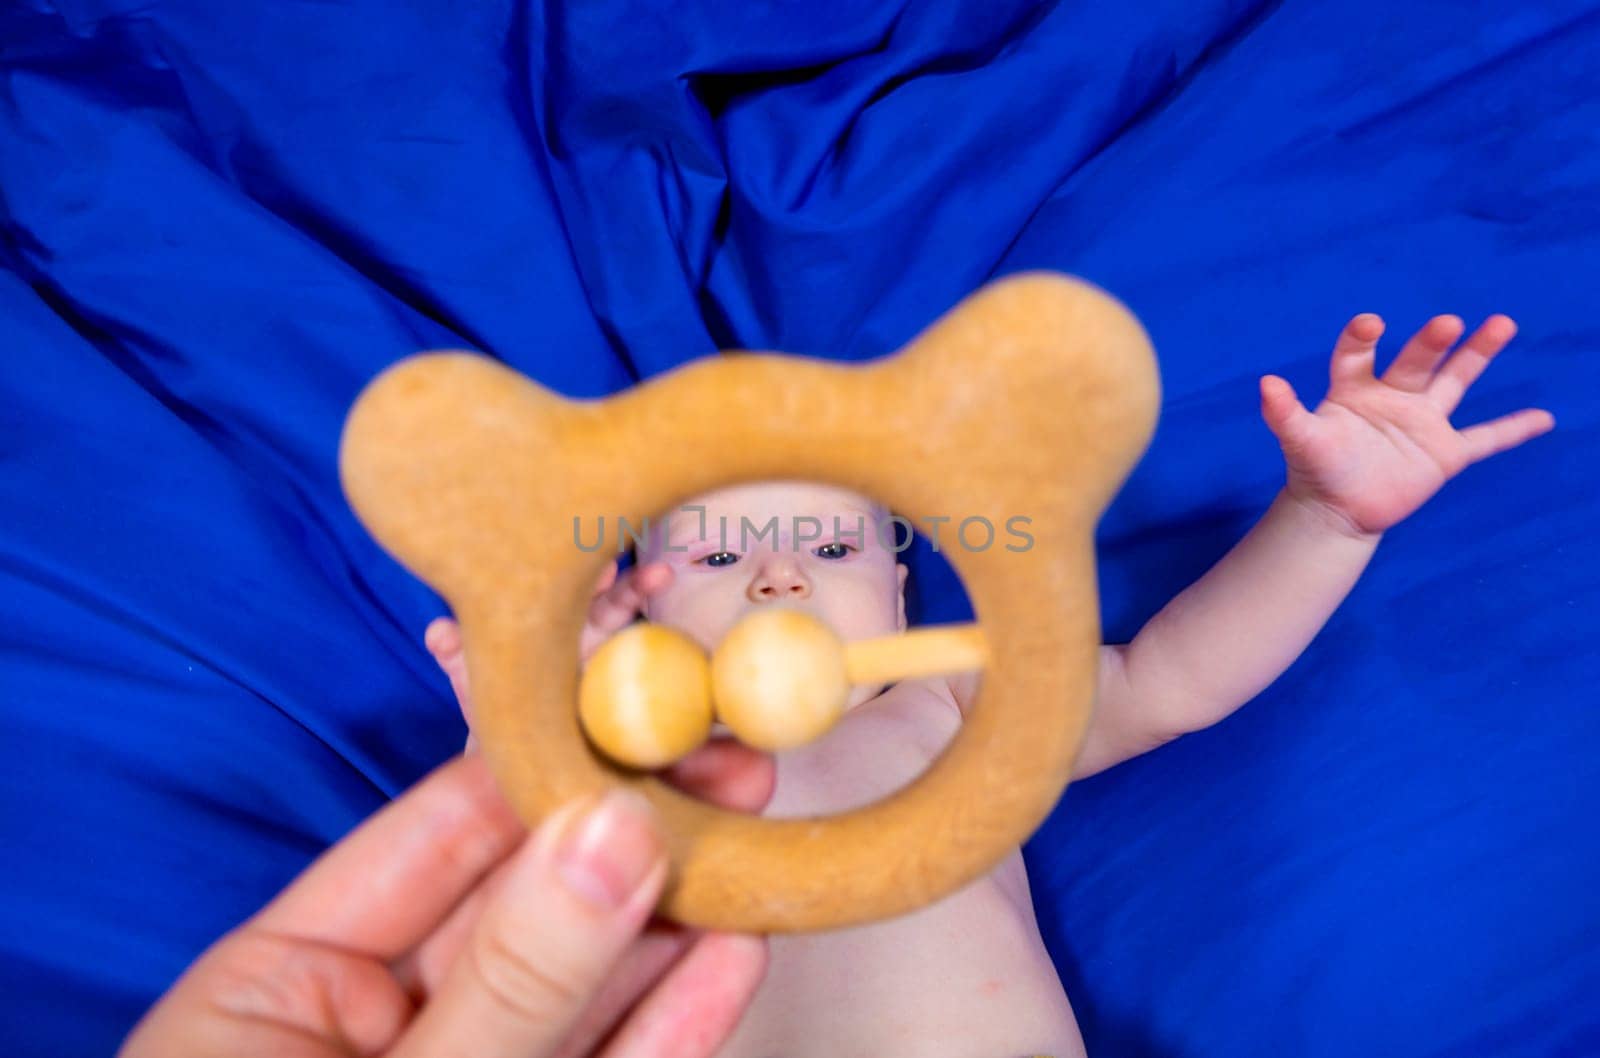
{"type": "Point", "coordinates": [1033, 398]}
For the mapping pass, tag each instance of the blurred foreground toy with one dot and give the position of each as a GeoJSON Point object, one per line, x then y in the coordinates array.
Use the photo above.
{"type": "Point", "coordinates": [1034, 397]}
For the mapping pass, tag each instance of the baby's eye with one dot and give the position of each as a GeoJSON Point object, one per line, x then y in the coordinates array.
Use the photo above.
{"type": "Point", "coordinates": [719, 558]}
{"type": "Point", "coordinates": [834, 550]}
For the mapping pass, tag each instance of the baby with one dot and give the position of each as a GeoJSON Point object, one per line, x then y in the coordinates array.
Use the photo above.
{"type": "Point", "coordinates": [969, 975]}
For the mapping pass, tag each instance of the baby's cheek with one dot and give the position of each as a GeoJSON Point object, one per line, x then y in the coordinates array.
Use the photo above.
{"type": "Point", "coordinates": [697, 614]}
{"type": "Point", "coordinates": [663, 608]}
{"type": "Point", "coordinates": [865, 613]}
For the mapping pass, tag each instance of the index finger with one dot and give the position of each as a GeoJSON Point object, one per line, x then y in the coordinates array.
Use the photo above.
{"type": "Point", "coordinates": [388, 883]}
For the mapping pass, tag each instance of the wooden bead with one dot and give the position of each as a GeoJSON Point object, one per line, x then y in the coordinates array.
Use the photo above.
{"type": "Point", "coordinates": [778, 679]}
{"type": "Point", "coordinates": [645, 697]}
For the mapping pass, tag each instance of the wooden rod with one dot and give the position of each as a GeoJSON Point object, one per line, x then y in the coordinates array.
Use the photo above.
{"type": "Point", "coordinates": [929, 651]}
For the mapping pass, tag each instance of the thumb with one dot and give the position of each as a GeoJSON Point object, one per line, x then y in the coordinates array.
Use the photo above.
{"type": "Point", "coordinates": [1284, 414]}
{"type": "Point", "coordinates": [575, 896]}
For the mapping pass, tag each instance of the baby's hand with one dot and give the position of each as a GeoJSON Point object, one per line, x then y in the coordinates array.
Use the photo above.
{"type": "Point", "coordinates": [1376, 449]}
{"type": "Point", "coordinates": [617, 601]}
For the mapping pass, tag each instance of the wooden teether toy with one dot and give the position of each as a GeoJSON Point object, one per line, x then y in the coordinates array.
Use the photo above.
{"type": "Point", "coordinates": [1033, 398]}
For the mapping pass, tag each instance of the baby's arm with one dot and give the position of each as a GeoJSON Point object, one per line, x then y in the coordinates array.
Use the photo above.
{"type": "Point", "coordinates": [1224, 639]}
{"type": "Point", "coordinates": [1372, 452]}
{"type": "Point", "coordinates": [1228, 636]}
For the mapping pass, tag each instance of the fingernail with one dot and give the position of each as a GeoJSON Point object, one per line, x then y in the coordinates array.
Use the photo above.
{"type": "Point", "coordinates": [606, 854]}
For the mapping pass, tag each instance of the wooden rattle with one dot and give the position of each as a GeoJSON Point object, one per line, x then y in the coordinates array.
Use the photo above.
{"type": "Point", "coordinates": [1034, 397]}
{"type": "Point", "coordinates": [778, 680]}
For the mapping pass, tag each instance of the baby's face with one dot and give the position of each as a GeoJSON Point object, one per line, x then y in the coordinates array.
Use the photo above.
{"type": "Point", "coordinates": [813, 547]}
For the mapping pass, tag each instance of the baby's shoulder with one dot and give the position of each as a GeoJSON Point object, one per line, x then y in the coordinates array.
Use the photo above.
{"type": "Point", "coordinates": [922, 710]}
{"type": "Point", "coordinates": [874, 750]}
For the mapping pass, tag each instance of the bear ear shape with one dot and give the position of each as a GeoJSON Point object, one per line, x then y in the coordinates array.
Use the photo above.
{"type": "Point", "coordinates": [434, 455]}
{"type": "Point", "coordinates": [1039, 375]}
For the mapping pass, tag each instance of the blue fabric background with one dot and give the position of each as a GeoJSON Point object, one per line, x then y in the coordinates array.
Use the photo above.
{"type": "Point", "coordinates": [220, 220]}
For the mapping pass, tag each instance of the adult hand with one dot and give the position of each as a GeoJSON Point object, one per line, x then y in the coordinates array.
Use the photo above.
{"type": "Point", "coordinates": [440, 926]}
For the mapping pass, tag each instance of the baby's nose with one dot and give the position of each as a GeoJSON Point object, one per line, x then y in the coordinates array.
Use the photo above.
{"type": "Point", "coordinates": [779, 578]}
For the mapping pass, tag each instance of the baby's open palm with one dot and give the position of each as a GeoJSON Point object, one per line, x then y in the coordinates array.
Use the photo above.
{"type": "Point", "coordinates": [1376, 449]}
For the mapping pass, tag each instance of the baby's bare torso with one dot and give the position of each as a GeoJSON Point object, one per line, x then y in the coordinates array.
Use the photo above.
{"type": "Point", "coordinates": [967, 977]}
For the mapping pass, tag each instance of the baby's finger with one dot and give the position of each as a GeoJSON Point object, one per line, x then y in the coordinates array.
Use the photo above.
{"type": "Point", "coordinates": [444, 642]}
{"type": "Point", "coordinates": [621, 603]}
{"type": "Point", "coordinates": [1508, 431]}
{"type": "Point", "coordinates": [1469, 361]}
{"type": "Point", "coordinates": [608, 577]}
{"type": "Point", "coordinates": [1414, 366]}
{"type": "Point", "coordinates": [617, 605]}
{"type": "Point", "coordinates": [1285, 416]}
{"type": "Point", "coordinates": [442, 637]}
{"type": "Point", "coordinates": [1353, 353]}
{"type": "Point", "coordinates": [652, 578]}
